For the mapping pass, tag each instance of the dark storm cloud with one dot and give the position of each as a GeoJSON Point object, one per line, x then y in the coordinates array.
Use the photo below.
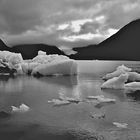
{"type": "Point", "coordinates": [38, 20]}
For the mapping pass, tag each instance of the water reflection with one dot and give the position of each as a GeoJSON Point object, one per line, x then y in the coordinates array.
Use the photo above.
{"type": "Point", "coordinates": [134, 95]}
{"type": "Point", "coordinates": [44, 121]}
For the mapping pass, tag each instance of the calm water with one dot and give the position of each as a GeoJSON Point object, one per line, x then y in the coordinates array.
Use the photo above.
{"type": "Point", "coordinates": [68, 122]}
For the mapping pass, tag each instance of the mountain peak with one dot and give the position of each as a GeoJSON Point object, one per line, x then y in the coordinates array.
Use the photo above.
{"type": "Point", "coordinates": [124, 45]}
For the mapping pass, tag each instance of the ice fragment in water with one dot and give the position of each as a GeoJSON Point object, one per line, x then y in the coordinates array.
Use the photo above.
{"type": "Point", "coordinates": [120, 125]}
{"type": "Point", "coordinates": [22, 108]}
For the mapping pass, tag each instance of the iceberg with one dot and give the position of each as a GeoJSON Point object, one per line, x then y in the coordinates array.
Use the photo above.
{"type": "Point", "coordinates": [21, 109]}
{"type": "Point", "coordinates": [120, 125]}
{"type": "Point", "coordinates": [70, 99]}
{"type": "Point", "coordinates": [132, 85]}
{"type": "Point", "coordinates": [116, 82]}
{"type": "Point", "coordinates": [10, 62]}
{"type": "Point", "coordinates": [133, 76]}
{"type": "Point", "coordinates": [10, 57]}
{"type": "Point", "coordinates": [119, 70]}
{"type": "Point", "coordinates": [66, 67]}
{"type": "Point", "coordinates": [57, 102]}
{"type": "Point", "coordinates": [42, 64]}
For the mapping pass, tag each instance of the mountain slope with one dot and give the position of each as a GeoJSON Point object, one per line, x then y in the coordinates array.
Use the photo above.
{"type": "Point", "coordinates": [124, 45]}
{"type": "Point", "coordinates": [3, 46]}
{"type": "Point", "coordinates": [29, 51]}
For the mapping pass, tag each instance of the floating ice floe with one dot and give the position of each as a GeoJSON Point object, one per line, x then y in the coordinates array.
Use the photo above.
{"type": "Point", "coordinates": [57, 102]}
{"type": "Point", "coordinates": [116, 82]}
{"type": "Point", "coordinates": [70, 99]}
{"type": "Point", "coordinates": [101, 98]}
{"type": "Point", "coordinates": [119, 70]}
{"type": "Point", "coordinates": [98, 116]}
{"type": "Point", "coordinates": [120, 125]}
{"type": "Point", "coordinates": [21, 109]}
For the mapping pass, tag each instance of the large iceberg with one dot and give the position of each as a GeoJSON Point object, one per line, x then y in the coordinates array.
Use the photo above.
{"type": "Point", "coordinates": [119, 70]}
{"type": "Point", "coordinates": [116, 82]}
{"type": "Point", "coordinates": [52, 65]}
{"type": "Point", "coordinates": [42, 64]}
{"type": "Point", "coordinates": [10, 62]}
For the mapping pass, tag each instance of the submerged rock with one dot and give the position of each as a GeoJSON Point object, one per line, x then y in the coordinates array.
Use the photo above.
{"type": "Point", "coordinates": [133, 76]}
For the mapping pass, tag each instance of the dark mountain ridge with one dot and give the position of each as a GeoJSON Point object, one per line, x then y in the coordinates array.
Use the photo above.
{"type": "Point", "coordinates": [124, 45]}
{"type": "Point", "coordinates": [29, 51]}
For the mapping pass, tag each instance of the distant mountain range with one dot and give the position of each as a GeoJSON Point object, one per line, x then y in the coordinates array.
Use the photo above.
{"type": "Point", "coordinates": [29, 51]}
{"type": "Point", "coordinates": [124, 45]}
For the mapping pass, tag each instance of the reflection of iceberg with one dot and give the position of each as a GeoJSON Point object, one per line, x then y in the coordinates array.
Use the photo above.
{"type": "Point", "coordinates": [67, 81]}
{"type": "Point", "coordinates": [116, 82]}
{"type": "Point", "coordinates": [63, 97]}
{"type": "Point", "coordinates": [120, 70]}
{"type": "Point", "coordinates": [12, 85]}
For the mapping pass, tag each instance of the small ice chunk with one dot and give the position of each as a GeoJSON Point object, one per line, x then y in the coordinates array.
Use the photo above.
{"type": "Point", "coordinates": [116, 82]}
{"type": "Point", "coordinates": [57, 102]}
{"type": "Point", "coordinates": [21, 109]}
{"type": "Point", "coordinates": [70, 99]}
{"type": "Point", "coordinates": [95, 97]}
{"type": "Point", "coordinates": [98, 116]}
{"type": "Point", "coordinates": [101, 98]}
{"type": "Point", "coordinates": [120, 125]}
{"type": "Point", "coordinates": [119, 70]}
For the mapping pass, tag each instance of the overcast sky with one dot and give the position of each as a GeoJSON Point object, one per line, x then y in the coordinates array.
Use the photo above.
{"type": "Point", "coordinates": [65, 23]}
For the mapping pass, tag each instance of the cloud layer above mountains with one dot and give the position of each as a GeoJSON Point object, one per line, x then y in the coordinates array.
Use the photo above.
{"type": "Point", "coordinates": [64, 22]}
